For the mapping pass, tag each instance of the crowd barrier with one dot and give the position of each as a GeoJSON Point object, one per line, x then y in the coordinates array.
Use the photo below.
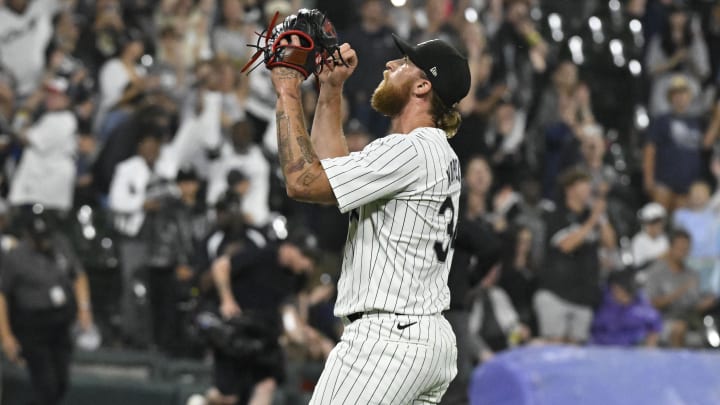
{"type": "Point", "coordinates": [558, 375]}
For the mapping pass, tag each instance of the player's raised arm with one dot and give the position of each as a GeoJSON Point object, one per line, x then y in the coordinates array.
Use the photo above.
{"type": "Point", "coordinates": [327, 133]}
{"type": "Point", "coordinates": [305, 178]}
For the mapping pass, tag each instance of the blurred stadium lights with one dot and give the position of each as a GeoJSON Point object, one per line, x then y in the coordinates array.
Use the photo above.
{"type": "Point", "coordinates": [38, 209]}
{"type": "Point", "coordinates": [642, 120]}
{"type": "Point", "coordinates": [555, 23]}
{"type": "Point", "coordinates": [471, 15]}
{"type": "Point", "coordinates": [89, 232]}
{"type": "Point", "coordinates": [139, 290]}
{"type": "Point", "coordinates": [576, 51]}
{"type": "Point", "coordinates": [596, 27]}
{"type": "Point", "coordinates": [636, 29]}
{"type": "Point", "coordinates": [279, 226]}
{"type": "Point", "coordinates": [616, 49]}
{"type": "Point", "coordinates": [398, 3]}
{"type": "Point", "coordinates": [635, 67]}
{"type": "Point", "coordinates": [84, 214]}
{"type": "Point", "coordinates": [146, 60]}
{"type": "Point", "coordinates": [713, 337]}
{"type": "Point", "coordinates": [536, 14]}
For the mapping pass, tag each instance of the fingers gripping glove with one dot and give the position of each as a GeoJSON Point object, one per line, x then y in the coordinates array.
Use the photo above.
{"type": "Point", "coordinates": [318, 43]}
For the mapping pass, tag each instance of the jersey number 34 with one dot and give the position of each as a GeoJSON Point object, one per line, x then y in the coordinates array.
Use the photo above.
{"type": "Point", "coordinates": [441, 249]}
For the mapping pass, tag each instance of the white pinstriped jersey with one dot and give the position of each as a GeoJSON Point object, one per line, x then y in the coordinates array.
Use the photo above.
{"type": "Point", "coordinates": [402, 192]}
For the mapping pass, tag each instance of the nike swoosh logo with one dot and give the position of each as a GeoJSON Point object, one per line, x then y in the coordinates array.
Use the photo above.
{"type": "Point", "coordinates": [407, 325]}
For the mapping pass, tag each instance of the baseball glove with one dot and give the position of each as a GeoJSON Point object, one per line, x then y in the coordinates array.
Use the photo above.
{"type": "Point", "coordinates": [317, 48]}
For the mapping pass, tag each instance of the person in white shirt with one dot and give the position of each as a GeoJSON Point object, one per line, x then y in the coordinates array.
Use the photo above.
{"type": "Point", "coordinates": [25, 31]}
{"type": "Point", "coordinates": [652, 241]}
{"type": "Point", "coordinates": [241, 154]}
{"type": "Point", "coordinates": [128, 198]}
{"type": "Point", "coordinates": [117, 73]}
{"type": "Point", "coordinates": [131, 199]}
{"type": "Point", "coordinates": [46, 173]}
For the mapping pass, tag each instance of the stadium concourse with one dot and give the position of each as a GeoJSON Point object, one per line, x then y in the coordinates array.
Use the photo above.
{"type": "Point", "coordinates": [589, 213]}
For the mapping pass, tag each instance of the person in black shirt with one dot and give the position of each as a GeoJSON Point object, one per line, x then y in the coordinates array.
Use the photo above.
{"type": "Point", "coordinates": [254, 283]}
{"type": "Point", "coordinates": [175, 235]}
{"type": "Point", "coordinates": [43, 289]}
{"type": "Point", "coordinates": [569, 283]}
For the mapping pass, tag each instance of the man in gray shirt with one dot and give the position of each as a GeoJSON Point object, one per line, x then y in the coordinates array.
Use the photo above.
{"type": "Point", "coordinates": [675, 291]}
{"type": "Point", "coordinates": [43, 289]}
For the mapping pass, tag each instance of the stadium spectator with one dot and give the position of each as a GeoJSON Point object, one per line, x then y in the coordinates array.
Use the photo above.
{"type": "Point", "coordinates": [173, 76]}
{"type": "Point", "coordinates": [494, 323]}
{"type": "Point", "coordinates": [564, 81]}
{"type": "Point", "coordinates": [243, 155]}
{"type": "Point", "coordinates": [651, 242]}
{"type": "Point", "coordinates": [569, 280]}
{"type": "Point", "coordinates": [603, 177]}
{"type": "Point", "coordinates": [118, 73]}
{"type": "Point", "coordinates": [256, 282]}
{"type": "Point", "coordinates": [672, 154]}
{"type": "Point", "coordinates": [674, 290]}
{"type": "Point", "coordinates": [43, 290]}
{"type": "Point", "coordinates": [504, 145]}
{"type": "Point", "coordinates": [477, 108]}
{"type": "Point", "coordinates": [233, 32]}
{"type": "Point", "coordinates": [530, 212]}
{"type": "Point", "coordinates": [25, 31]}
{"type": "Point", "coordinates": [102, 37]}
{"type": "Point", "coordinates": [702, 224]}
{"type": "Point", "coordinates": [625, 316]}
{"type": "Point", "coordinates": [46, 173]}
{"type": "Point", "coordinates": [519, 52]}
{"type": "Point", "coordinates": [176, 233]}
{"type": "Point", "coordinates": [477, 249]}
{"type": "Point", "coordinates": [678, 48]}
{"type": "Point", "coordinates": [562, 138]}
{"type": "Point", "coordinates": [517, 274]}
{"type": "Point", "coordinates": [373, 44]}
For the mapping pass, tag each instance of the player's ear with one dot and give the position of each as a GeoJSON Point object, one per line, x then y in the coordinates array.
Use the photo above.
{"type": "Point", "coordinates": [422, 87]}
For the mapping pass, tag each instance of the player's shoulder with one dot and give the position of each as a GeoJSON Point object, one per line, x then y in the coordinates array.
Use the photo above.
{"type": "Point", "coordinates": [428, 133]}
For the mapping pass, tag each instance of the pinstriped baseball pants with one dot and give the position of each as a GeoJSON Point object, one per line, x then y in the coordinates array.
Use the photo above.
{"type": "Point", "coordinates": [389, 359]}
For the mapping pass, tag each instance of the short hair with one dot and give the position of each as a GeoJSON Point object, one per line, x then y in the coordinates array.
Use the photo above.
{"type": "Point", "coordinates": [572, 176]}
{"type": "Point", "coordinates": [680, 233]}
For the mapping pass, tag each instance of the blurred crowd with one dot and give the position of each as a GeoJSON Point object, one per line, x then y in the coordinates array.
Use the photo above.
{"type": "Point", "coordinates": [589, 147]}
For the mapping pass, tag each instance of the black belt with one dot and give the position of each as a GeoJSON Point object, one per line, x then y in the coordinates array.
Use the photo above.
{"type": "Point", "coordinates": [357, 315]}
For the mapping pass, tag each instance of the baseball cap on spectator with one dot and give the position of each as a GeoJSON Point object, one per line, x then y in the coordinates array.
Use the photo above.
{"type": "Point", "coordinates": [445, 67]}
{"type": "Point", "coordinates": [234, 177]}
{"type": "Point", "coordinates": [187, 173]}
{"type": "Point", "coordinates": [652, 212]}
{"type": "Point", "coordinates": [678, 83]}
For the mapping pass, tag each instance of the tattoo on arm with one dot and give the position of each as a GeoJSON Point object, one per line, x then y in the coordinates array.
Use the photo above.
{"type": "Point", "coordinates": [306, 148]}
{"type": "Point", "coordinates": [308, 177]}
{"type": "Point", "coordinates": [285, 149]}
{"type": "Point", "coordinates": [283, 127]}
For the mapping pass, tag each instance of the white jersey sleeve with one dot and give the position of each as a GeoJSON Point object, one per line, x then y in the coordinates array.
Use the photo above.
{"type": "Point", "coordinates": [385, 168]}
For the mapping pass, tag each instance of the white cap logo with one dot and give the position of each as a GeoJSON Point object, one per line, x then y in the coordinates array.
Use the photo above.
{"type": "Point", "coordinates": [433, 70]}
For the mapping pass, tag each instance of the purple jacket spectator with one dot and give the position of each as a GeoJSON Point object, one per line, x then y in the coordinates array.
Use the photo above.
{"type": "Point", "coordinates": [624, 325]}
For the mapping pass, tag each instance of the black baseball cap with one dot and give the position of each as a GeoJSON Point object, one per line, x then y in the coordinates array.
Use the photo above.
{"type": "Point", "coordinates": [445, 67]}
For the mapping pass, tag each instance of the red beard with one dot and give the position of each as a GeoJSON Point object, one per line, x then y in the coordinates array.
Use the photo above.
{"type": "Point", "coordinates": [389, 99]}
